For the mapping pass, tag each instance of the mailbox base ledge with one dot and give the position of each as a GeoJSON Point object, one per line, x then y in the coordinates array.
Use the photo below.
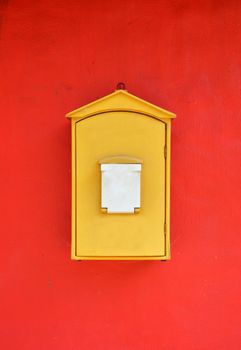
{"type": "Point", "coordinates": [163, 258]}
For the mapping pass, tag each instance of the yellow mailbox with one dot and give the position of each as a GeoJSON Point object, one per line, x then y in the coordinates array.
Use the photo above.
{"type": "Point", "coordinates": [120, 179]}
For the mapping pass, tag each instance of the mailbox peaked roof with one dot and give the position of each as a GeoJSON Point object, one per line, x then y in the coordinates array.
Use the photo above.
{"type": "Point", "coordinates": [120, 100]}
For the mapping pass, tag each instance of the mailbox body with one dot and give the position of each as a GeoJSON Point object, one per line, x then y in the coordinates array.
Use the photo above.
{"type": "Point", "coordinates": [118, 130]}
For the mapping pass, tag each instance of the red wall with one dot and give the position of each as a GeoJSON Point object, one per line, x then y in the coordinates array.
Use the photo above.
{"type": "Point", "coordinates": [181, 55]}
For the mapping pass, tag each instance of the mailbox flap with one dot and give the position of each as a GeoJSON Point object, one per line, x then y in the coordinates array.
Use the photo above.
{"type": "Point", "coordinates": [120, 187]}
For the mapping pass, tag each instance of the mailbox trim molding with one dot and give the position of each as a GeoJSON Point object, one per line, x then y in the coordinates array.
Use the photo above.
{"type": "Point", "coordinates": [91, 110]}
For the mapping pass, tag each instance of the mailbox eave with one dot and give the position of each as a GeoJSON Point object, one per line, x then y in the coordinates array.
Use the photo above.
{"type": "Point", "coordinates": [120, 100]}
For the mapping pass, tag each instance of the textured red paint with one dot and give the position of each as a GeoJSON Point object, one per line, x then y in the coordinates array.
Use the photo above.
{"type": "Point", "coordinates": [182, 55]}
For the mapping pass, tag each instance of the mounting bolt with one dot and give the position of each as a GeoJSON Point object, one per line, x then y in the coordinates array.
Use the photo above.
{"type": "Point", "coordinates": [121, 86]}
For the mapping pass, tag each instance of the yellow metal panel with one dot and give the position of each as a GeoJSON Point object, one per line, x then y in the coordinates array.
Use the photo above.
{"type": "Point", "coordinates": [103, 235]}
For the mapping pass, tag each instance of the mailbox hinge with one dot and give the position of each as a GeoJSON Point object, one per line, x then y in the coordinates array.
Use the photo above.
{"type": "Point", "coordinates": [165, 228]}
{"type": "Point", "coordinates": [165, 151]}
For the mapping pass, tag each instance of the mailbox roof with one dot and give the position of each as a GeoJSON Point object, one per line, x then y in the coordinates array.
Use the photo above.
{"type": "Point", "coordinates": [120, 100]}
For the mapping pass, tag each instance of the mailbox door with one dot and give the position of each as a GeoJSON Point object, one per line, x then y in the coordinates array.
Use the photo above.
{"type": "Point", "coordinates": [99, 234]}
